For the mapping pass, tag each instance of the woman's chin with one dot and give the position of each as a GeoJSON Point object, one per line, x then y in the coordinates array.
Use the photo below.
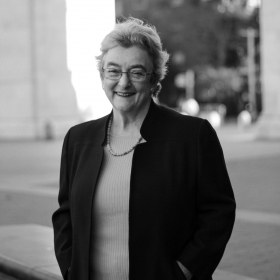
{"type": "Point", "coordinates": [124, 108]}
{"type": "Point", "coordinates": [124, 102]}
{"type": "Point", "coordinates": [129, 104]}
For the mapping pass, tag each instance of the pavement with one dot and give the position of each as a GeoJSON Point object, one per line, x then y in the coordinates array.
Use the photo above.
{"type": "Point", "coordinates": [27, 252]}
{"type": "Point", "coordinates": [254, 168]}
{"type": "Point", "coordinates": [29, 172]}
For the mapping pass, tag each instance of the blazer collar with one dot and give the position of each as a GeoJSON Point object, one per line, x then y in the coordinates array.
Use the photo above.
{"type": "Point", "coordinates": [150, 129]}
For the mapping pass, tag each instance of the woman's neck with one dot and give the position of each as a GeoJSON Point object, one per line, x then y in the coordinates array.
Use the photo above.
{"type": "Point", "coordinates": [128, 124]}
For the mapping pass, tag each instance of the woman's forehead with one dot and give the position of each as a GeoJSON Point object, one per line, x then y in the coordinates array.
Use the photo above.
{"type": "Point", "coordinates": [132, 57]}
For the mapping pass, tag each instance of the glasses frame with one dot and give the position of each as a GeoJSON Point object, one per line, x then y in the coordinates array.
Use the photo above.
{"type": "Point", "coordinates": [128, 75]}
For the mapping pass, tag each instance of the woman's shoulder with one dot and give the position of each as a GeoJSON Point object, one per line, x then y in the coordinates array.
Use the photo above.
{"type": "Point", "coordinates": [182, 127]}
{"type": "Point", "coordinates": [179, 120]}
{"type": "Point", "coordinates": [166, 123]}
{"type": "Point", "coordinates": [90, 124]}
{"type": "Point", "coordinates": [92, 131]}
{"type": "Point", "coordinates": [174, 115]}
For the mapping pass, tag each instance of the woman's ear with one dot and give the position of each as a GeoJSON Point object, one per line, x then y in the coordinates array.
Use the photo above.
{"type": "Point", "coordinates": [155, 90]}
{"type": "Point", "coordinates": [101, 75]}
{"type": "Point", "coordinates": [102, 79]}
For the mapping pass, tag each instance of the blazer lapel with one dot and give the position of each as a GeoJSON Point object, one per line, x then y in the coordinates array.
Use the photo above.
{"type": "Point", "coordinates": [86, 160]}
{"type": "Point", "coordinates": [87, 155]}
{"type": "Point", "coordinates": [152, 128]}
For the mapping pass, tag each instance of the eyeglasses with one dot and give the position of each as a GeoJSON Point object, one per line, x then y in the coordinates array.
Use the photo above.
{"type": "Point", "coordinates": [135, 75]}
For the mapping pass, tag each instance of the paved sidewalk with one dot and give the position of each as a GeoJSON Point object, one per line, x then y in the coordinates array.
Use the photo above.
{"type": "Point", "coordinates": [6, 277]}
{"type": "Point", "coordinates": [254, 169]}
{"type": "Point", "coordinates": [29, 174]}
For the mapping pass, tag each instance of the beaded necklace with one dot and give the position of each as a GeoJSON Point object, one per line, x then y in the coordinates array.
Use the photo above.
{"type": "Point", "coordinates": [109, 145]}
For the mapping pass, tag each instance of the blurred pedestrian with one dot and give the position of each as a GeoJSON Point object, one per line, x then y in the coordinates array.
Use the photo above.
{"type": "Point", "coordinates": [144, 191]}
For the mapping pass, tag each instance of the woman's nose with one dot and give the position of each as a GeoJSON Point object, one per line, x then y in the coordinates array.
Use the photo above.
{"type": "Point", "coordinates": [124, 80]}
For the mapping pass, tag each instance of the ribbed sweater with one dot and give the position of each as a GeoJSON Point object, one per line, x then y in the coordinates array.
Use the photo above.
{"type": "Point", "coordinates": [109, 257]}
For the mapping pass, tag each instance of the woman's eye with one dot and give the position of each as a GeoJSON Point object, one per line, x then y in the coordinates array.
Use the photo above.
{"type": "Point", "coordinates": [115, 71]}
{"type": "Point", "coordinates": [137, 73]}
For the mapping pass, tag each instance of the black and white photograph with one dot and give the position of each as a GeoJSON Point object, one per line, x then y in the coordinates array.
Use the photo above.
{"type": "Point", "coordinates": [139, 140]}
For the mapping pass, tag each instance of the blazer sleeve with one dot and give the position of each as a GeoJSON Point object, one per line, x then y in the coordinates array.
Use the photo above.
{"type": "Point", "coordinates": [215, 207]}
{"type": "Point", "coordinates": [62, 217]}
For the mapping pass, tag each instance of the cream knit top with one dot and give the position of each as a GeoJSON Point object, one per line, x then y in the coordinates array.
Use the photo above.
{"type": "Point", "coordinates": [109, 257]}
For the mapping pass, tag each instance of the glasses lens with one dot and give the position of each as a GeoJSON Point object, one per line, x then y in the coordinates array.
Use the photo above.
{"type": "Point", "coordinates": [137, 75]}
{"type": "Point", "coordinates": [112, 74]}
{"type": "Point", "coordinates": [134, 75]}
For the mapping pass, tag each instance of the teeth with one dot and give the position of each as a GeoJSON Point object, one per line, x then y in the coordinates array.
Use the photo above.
{"type": "Point", "coordinates": [123, 94]}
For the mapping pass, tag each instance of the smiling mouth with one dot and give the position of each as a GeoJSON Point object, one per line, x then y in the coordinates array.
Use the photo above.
{"type": "Point", "coordinates": [124, 94]}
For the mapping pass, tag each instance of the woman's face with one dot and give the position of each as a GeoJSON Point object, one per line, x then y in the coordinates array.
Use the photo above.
{"type": "Point", "coordinates": [126, 96]}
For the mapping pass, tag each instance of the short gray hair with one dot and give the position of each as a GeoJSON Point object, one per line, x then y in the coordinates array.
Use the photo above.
{"type": "Point", "coordinates": [134, 32]}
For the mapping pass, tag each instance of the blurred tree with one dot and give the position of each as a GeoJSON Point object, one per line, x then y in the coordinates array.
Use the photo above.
{"type": "Point", "coordinates": [197, 33]}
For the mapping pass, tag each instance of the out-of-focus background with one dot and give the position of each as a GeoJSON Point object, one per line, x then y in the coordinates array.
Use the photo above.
{"type": "Point", "coordinates": [224, 67]}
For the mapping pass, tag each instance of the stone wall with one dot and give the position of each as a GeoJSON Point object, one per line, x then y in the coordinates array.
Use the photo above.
{"type": "Point", "coordinates": [37, 99]}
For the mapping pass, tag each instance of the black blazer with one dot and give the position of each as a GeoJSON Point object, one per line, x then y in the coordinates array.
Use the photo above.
{"type": "Point", "coordinates": [181, 204]}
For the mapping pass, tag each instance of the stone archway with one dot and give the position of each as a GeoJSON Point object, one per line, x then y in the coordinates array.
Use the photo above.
{"type": "Point", "coordinates": [37, 99]}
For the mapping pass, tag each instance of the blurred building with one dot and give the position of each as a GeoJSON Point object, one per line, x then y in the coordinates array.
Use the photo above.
{"type": "Point", "coordinates": [37, 99]}
{"type": "Point", "coordinates": [269, 123]}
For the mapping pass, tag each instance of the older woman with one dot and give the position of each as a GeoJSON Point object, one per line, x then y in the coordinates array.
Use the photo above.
{"type": "Point", "coordinates": [144, 192]}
